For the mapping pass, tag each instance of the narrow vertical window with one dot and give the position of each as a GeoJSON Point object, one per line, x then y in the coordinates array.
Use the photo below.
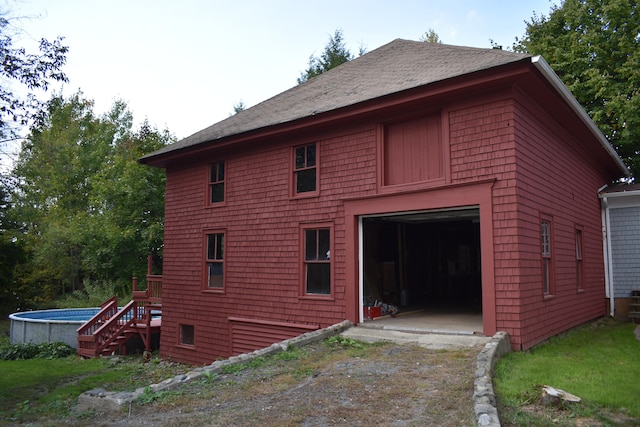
{"type": "Point", "coordinates": [305, 170]}
{"type": "Point", "coordinates": [216, 183]}
{"type": "Point", "coordinates": [545, 228]}
{"type": "Point", "coordinates": [215, 261]}
{"type": "Point", "coordinates": [317, 261]}
{"type": "Point", "coordinates": [579, 266]}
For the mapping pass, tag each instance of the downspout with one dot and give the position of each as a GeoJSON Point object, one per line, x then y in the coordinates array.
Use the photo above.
{"type": "Point", "coordinates": [606, 247]}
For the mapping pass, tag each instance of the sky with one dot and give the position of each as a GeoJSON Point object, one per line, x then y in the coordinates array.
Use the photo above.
{"type": "Point", "coordinates": [183, 65]}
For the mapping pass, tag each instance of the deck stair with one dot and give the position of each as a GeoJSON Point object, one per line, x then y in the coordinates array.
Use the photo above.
{"type": "Point", "coordinates": [109, 330]}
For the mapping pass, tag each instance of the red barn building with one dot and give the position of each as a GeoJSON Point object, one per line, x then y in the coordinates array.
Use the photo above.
{"type": "Point", "coordinates": [419, 174]}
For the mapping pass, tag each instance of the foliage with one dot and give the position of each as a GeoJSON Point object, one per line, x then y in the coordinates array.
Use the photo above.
{"type": "Point", "coordinates": [33, 71]}
{"type": "Point", "coordinates": [86, 209]}
{"type": "Point", "coordinates": [335, 53]}
{"type": "Point", "coordinates": [46, 350]}
{"type": "Point", "coordinates": [240, 106]}
{"type": "Point", "coordinates": [12, 254]}
{"type": "Point", "coordinates": [93, 294]}
{"type": "Point", "coordinates": [597, 362]}
{"type": "Point", "coordinates": [430, 37]}
{"type": "Point", "coordinates": [594, 48]}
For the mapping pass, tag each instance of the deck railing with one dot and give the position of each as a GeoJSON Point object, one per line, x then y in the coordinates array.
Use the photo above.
{"type": "Point", "coordinates": [108, 309]}
{"type": "Point", "coordinates": [110, 326]}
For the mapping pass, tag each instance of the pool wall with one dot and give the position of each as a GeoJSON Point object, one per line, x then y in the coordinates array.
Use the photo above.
{"type": "Point", "coordinates": [49, 325]}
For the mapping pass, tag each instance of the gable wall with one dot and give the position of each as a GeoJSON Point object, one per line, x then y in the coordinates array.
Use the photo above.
{"type": "Point", "coordinates": [556, 177]}
{"type": "Point", "coordinates": [261, 225]}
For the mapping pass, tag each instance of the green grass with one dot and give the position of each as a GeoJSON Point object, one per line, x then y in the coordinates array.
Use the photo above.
{"type": "Point", "coordinates": [598, 362]}
{"type": "Point", "coordinates": [48, 388]}
{"type": "Point", "coordinates": [39, 385]}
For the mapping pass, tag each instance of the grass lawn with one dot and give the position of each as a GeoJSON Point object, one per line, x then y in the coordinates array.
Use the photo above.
{"type": "Point", "coordinates": [598, 362]}
{"type": "Point", "coordinates": [35, 388]}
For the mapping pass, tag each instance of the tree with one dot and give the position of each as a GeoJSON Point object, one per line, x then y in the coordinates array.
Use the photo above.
{"type": "Point", "coordinates": [87, 209]}
{"type": "Point", "coordinates": [12, 254]}
{"type": "Point", "coordinates": [335, 53]}
{"type": "Point", "coordinates": [594, 48]}
{"type": "Point", "coordinates": [240, 106]}
{"type": "Point", "coordinates": [430, 37]}
{"type": "Point", "coordinates": [31, 70]}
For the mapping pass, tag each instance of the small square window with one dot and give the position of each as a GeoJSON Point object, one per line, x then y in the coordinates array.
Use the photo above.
{"type": "Point", "coordinates": [187, 335]}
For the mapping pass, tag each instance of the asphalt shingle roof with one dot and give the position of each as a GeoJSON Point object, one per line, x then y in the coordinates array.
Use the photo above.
{"type": "Point", "coordinates": [394, 67]}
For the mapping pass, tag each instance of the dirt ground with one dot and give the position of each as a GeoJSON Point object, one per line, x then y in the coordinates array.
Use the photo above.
{"type": "Point", "coordinates": [326, 384]}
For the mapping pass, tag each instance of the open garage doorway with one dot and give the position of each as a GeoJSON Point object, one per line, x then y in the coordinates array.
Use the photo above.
{"type": "Point", "coordinates": [426, 263]}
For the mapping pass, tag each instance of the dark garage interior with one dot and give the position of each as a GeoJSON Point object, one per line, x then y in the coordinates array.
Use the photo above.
{"type": "Point", "coordinates": [424, 261]}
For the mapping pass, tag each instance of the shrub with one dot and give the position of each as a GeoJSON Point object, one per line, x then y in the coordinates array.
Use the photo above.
{"type": "Point", "coordinates": [48, 350]}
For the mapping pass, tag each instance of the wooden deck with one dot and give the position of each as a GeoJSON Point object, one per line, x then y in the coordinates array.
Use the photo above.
{"type": "Point", "coordinates": [111, 328]}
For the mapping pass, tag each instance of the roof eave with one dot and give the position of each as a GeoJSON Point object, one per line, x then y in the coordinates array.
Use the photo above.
{"type": "Point", "coordinates": [545, 69]}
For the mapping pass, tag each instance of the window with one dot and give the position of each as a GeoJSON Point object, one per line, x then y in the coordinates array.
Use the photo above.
{"type": "Point", "coordinates": [186, 335]}
{"type": "Point", "coordinates": [579, 271]}
{"type": "Point", "coordinates": [215, 261]}
{"type": "Point", "coordinates": [305, 170]}
{"type": "Point", "coordinates": [317, 261]}
{"type": "Point", "coordinates": [547, 274]}
{"type": "Point", "coordinates": [216, 183]}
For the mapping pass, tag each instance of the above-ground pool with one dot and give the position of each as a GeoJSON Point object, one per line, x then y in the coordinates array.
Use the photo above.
{"type": "Point", "coordinates": [49, 325]}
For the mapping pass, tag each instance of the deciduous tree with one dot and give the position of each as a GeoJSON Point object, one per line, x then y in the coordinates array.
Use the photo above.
{"type": "Point", "coordinates": [29, 70]}
{"type": "Point", "coordinates": [87, 209]}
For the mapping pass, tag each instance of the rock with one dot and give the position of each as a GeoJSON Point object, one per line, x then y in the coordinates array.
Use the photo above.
{"type": "Point", "coordinates": [552, 396]}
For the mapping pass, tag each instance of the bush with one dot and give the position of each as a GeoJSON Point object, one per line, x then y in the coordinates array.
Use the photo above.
{"type": "Point", "coordinates": [47, 350]}
{"type": "Point", "coordinates": [94, 294]}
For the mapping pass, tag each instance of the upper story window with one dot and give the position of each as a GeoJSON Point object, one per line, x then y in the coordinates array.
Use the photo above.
{"type": "Point", "coordinates": [413, 151]}
{"type": "Point", "coordinates": [305, 174]}
{"type": "Point", "coordinates": [214, 263]}
{"type": "Point", "coordinates": [547, 260]}
{"type": "Point", "coordinates": [317, 261]}
{"type": "Point", "coordinates": [216, 182]}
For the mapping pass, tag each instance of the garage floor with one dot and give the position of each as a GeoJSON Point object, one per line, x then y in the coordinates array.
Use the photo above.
{"type": "Point", "coordinates": [440, 321]}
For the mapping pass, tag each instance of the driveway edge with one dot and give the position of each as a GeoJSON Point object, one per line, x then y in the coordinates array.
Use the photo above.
{"type": "Point", "coordinates": [484, 399]}
{"type": "Point", "coordinates": [100, 400]}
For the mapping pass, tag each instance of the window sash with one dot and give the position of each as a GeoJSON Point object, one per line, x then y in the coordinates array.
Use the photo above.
{"type": "Point", "coordinates": [579, 271]}
{"type": "Point", "coordinates": [305, 168]}
{"type": "Point", "coordinates": [216, 182]}
{"type": "Point", "coordinates": [545, 228]}
{"type": "Point", "coordinates": [317, 261]}
{"type": "Point", "coordinates": [215, 261]}
{"type": "Point", "coordinates": [545, 241]}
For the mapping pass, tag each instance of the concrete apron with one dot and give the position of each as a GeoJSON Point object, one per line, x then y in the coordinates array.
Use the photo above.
{"type": "Point", "coordinates": [434, 330]}
{"type": "Point", "coordinates": [431, 340]}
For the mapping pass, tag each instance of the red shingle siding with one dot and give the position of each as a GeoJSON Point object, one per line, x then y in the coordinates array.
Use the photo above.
{"type": "Point", "coordinates": [533, 163]}
{"type": "Point", "coordinates": [262, 225]}
{"type": "Point", "coordinates": [556, 177]}
{"type": "Point", "coordinates": [483, 147]}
